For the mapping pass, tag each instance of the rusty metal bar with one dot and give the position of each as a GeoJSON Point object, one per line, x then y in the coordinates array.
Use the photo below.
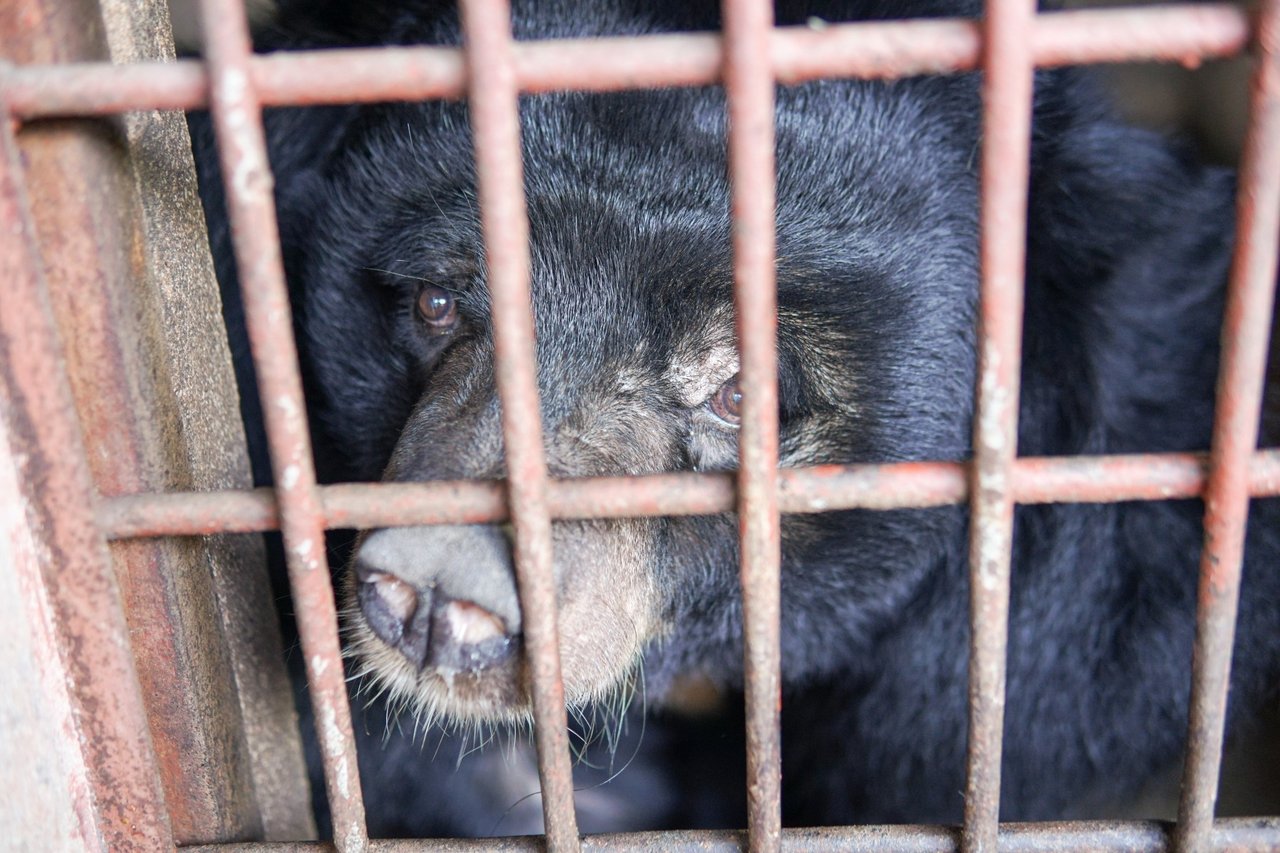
{"type": "Point", "coordinates": [237, 118]}
{"type": "Point", "coordinates": [495, 122]}
{"type": "Point", "coordinates": [1075, 479]}
{"type": "Point", "coordinates": [1186, 33]}
{"type": "Point", "coordinates": [133, 293]}
{"type": "Point", "coordinates": [124, 806]}
{"type": "Point", "coordinates": [749, 86]}
{"type": "Point", "coordinates": [1006, 155]}
{"type": "Point", "coordinates": [221, 594]}
{"type": "Point", "coordinates": [1237, 835]}
{"type": "Point", "coordinates": [1245, 332]}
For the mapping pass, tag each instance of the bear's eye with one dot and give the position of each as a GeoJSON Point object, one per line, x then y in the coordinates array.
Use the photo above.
{"type": "Point", "coordinates": [726, 403]}
{"type": "Point", "coordinates": [437, 308]}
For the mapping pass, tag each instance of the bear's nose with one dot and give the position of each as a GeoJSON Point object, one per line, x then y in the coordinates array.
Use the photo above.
{"type": "Point", "coordinates": [432, 628]}
{"type": "Point", "coordinates": [424, 621]}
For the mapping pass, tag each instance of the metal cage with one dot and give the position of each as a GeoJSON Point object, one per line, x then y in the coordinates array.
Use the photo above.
{"type": "Point", "coordinates": [120, 774]}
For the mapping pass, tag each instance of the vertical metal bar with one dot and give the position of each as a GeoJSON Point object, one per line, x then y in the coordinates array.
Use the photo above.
{"type": "Point", "coordinates": [226, 585]}
{"type": "Point", "coordinates": [237, 116]}
{"type": "Point", "coordinates": [749, 90]}
{"type": "Point", "coordinates": [1245, 330]}
{"type": "Point", "coordinates": [495, 123]}
{"type": "Point", "coordinates": [127, 807]}
{"type": "Point", "coordinates": [119, 222]}
{"type": "Point", "coordinates": [1006, 139]}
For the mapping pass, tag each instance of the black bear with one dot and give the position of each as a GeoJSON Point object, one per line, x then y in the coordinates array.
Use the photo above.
{"type": "Point", "coordinates": [1128, 245]}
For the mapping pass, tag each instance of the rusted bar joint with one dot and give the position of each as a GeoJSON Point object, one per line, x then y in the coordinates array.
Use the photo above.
{"type": "Point", "coordinates": [882, 49]}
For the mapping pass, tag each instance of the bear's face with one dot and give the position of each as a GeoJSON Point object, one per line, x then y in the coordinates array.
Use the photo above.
{"type": "Point", "coordinates": [636, 366]}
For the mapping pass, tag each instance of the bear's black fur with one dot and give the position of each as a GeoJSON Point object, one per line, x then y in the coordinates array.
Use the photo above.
{"type": "Point", "coordinates": [1128, 247]}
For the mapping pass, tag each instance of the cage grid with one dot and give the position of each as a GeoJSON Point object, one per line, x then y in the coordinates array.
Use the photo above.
{"type": "Point", "coordinates": [752, 56]}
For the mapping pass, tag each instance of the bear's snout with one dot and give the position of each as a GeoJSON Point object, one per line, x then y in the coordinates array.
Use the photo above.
{"type": "Point", "coordinates": [432, 612]}
{"type": "Point", "coordinates": [440, 596]}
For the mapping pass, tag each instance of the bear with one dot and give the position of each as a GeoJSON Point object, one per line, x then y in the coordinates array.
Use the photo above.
{"type": "Point", "coordinates": [1128, 246]}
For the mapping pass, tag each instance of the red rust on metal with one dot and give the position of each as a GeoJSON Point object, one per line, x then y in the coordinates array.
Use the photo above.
{"type": "Point", "coordinates": [749, 87]}
{"type": "Point", "coordinates": [495, 119]}
{"type": "Point", "coordinates": [237, 120]}
{"type": "Point", "coordinates": [900, 485]}
{"type": "Point", "coordinates": [126, 808]}
{"type": "Point", "coordinates": [882, 49]}
{"type": "Point", "coordinates": [1006, 140]}
{"type": "Point", "coordinates": [1245, 331]}
{"type": "Point", "coordinates": [113, 217]}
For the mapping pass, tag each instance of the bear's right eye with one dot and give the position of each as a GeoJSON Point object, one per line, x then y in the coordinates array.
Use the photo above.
{"type": "Point", "coordinates": [437, 309]}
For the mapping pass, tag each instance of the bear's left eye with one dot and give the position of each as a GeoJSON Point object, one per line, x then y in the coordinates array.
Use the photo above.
{"type": "Point", "coordinates": [437, 309]}
{"type": "Point", "coordinates": [726, 403]}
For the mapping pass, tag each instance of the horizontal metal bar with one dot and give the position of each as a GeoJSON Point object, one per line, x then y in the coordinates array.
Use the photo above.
{"type": "Point", "coordinates": [1068, 479]}
{"type": "Point", "coordinates": [873, 50]}
{"type": "Point", "coordinates": [1235, 834]}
